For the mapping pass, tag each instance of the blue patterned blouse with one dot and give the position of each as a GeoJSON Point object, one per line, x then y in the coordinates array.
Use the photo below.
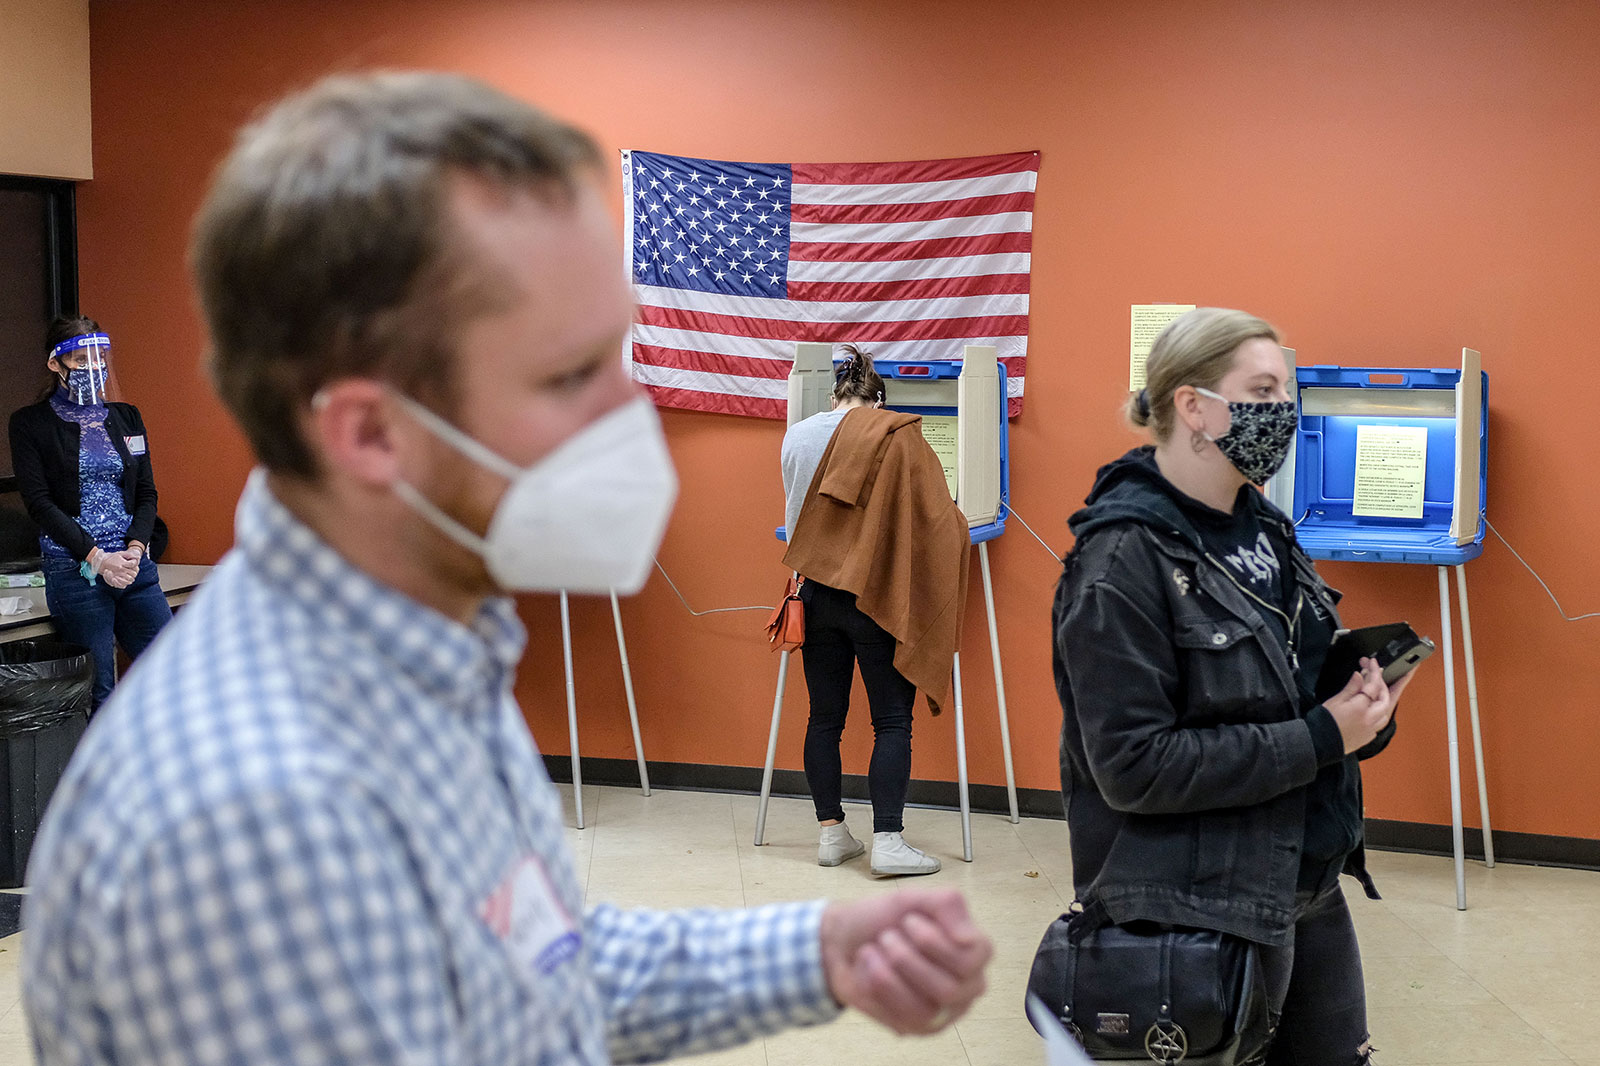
{"type": "Point", "coordinates": [101, 512]}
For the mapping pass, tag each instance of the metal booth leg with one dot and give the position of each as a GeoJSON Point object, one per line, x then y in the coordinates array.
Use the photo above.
{"type": "Point", "coordinates": [961, 767]}
{"type": "Point", "coordinates": [999, 682]}
{"type": "Point", "coordinates": [772, 748]}
{"type": "Point", "coordinates": [1447, 645]}
{"type": "Point", "coordinates": [627, 685]}
{"type": "Point", "coordinates": [1472, 708]}
{"type": "Point", "coordinates": [572, 709]}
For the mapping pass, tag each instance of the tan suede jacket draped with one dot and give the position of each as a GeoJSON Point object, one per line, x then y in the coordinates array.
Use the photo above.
{"type": "Point", "coordinates": [878, 522]}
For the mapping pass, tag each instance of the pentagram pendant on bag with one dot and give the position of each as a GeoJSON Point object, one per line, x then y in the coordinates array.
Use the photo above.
{"type": "Point", "coordinates": [1166, 1042]}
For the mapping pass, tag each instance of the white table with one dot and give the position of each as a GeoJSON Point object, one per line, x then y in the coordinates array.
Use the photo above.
{"type": "Point", "coordinates": [178, 581]}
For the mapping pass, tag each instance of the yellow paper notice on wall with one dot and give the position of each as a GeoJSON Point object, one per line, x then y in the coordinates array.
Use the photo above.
{"type": "Point", "coordinates": [1391, 468]}
{"type": "Point", "coordinates": [940, 433]}
{"type": "Point", "coordinates": [1148, 322]}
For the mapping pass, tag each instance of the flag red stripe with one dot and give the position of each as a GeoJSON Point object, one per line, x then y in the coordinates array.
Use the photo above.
{"type": "Point", "coordinates": [711, 362]}
{"type": "Point", "coordinates": [913, 289]}
{"type": "Point", "coordinates": [780, 329]}
{"type": "Point", "coordinates": [864, 213]}
{"type": "Point", "coordinates": [897, 251]}
{"type": "Point", "coordinates": [719, 403]}
{"type": "Point", "coordinates": [920, 170]}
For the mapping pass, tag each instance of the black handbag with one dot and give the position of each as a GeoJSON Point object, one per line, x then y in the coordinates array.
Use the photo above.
{"type": "Point", "coordinates": [1150, 992]}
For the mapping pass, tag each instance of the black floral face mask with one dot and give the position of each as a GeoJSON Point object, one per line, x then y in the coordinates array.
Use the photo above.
{"type": "Point", "coordinates": [1258, 441]}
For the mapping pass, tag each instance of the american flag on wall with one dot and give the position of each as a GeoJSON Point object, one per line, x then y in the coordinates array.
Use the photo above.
{"type": "Point", "coordinates": [733, 263]}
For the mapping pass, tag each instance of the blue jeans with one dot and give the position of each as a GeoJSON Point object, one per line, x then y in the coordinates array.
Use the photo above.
{"type": "Point", "coordinates": [100, 617]}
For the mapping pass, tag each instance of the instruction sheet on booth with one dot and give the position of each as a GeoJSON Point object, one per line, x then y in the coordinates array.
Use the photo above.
{"type": "Point", "coordinates": [940, 432]}
{"type": "Point", "coordinates": [1391, 469]}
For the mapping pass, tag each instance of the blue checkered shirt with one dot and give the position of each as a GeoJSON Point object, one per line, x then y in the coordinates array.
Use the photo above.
{"type": "Point", "coordinates": [311, 827]}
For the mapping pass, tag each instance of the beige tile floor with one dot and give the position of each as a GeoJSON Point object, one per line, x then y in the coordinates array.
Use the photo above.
{"type": "Point", "coordinates": [1514, 979]}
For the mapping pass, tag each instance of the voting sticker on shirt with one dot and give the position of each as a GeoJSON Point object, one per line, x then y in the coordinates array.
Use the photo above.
{"type": "Point", "coordinates": [525, 913]}
{"type": "Point", "coordinates": [135, 444]}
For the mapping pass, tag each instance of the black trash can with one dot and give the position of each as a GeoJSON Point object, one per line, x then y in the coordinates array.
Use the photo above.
{"type": "Point", "coordinates": [46, 691]}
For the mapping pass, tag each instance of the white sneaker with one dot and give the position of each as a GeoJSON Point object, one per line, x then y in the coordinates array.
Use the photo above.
{"type": "Point", "coordinates": [893, 857]}
{"type": "Point", "coordinates": [837, 845]}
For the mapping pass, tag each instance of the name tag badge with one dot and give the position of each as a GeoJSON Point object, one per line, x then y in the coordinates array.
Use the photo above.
{"type": "Point", "coordinates": [525, 913]}
{"type": "Point", "coordinates": [135, 444]}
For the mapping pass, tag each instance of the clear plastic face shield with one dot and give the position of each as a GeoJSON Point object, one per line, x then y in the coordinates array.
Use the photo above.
{"type": "Point", "coordinates": [85, 363]}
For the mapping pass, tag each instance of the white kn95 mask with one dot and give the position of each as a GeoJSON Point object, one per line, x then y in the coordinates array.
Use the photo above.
{"type": "Point", "coordinates": [588, 517]}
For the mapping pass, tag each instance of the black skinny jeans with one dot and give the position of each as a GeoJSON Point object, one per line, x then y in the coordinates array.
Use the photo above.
{"type": "Point", "coordinates": [838, 636]}
{"type": "Point", "coordinates": [1314, 984]}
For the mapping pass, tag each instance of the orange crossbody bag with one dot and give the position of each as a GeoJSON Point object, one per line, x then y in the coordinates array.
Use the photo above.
{"type": "Point", "coordinates": [786, 629]}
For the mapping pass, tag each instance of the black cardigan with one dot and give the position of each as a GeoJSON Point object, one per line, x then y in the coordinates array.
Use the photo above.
{"type": "Point", "coordinates": [44, 451]}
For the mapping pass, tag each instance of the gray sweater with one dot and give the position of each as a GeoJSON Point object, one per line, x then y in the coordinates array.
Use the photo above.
{"type": "Point", "coordinates": [803, 446]}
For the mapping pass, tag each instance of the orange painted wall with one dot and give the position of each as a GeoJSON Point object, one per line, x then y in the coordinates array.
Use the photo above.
{"type": "Point", "coordinates": [1387, 182]}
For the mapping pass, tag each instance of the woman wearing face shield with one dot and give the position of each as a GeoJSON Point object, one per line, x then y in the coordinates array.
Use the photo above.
{"type": "Point", "coordinates": [1205, 785]}
{"type": "Point", "coordinates": [83, 468]}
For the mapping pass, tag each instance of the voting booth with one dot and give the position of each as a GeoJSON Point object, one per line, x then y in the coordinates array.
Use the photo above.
{"type": "Point", "coordinates": [1390, 466]}
{"type": "Point", "coordinates": [963, 407]}
{"type": "Point", "coordinates": [962, 403]}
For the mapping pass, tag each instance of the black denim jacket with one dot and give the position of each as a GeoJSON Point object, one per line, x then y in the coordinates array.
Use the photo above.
{"type": "Point", "coordinates": [1185, 755]}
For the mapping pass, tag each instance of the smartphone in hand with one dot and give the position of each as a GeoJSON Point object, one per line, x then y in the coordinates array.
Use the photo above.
{"type": "Point", "coordinates": [1396, 647]}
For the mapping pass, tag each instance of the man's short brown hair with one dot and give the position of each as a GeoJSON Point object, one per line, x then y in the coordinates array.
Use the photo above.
{"type": "Point", "coordinates": [323, 250]}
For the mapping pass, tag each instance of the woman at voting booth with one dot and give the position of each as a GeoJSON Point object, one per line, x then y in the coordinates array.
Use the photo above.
{"type": "Point", "coordinates": [83, 469]}
{"type": "Point", "coordinates": [882, 551]}
{"type": "Point", "coordinates": [1209, 781]}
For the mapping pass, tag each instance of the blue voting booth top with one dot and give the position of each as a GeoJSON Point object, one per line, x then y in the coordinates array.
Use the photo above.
{"type": "Point", "coordinates": [1324, 477]}
{"type": "Point", "coordinates": [944, 369]}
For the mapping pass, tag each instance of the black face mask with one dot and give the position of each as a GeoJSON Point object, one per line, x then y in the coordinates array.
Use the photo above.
{"type": "Point", "coordinates": [1258, 441]}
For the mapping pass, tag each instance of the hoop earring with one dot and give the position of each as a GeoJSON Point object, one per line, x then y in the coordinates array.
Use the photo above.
{"type": "Point", "coordinates": [1197, 441]}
